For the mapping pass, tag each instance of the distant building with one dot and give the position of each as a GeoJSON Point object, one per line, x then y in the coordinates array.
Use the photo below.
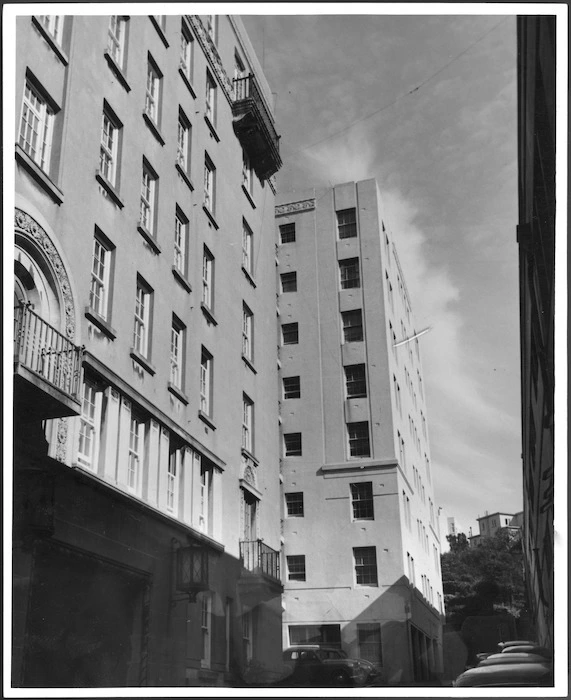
{"type": "Point", "coordinates": [451, 526]}
{"type": "Point", "coordinates": [146, 463]}
{"type": "Point", "coordinates": [490, 524]}
{"type": "Point", "coordinates": [536, 240]}
{"type": "Point", "coordinates": [362, 546]}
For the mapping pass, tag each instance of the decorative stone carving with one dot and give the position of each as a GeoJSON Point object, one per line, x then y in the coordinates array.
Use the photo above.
{"type": "Point", "coordinates": [249, 475]}
{"type": "Point", "coordinates": [61, 447]}
{"type": "Point", "coordinates": [305, 205]}
{"type": "Point", "coordinates": [211, 52]}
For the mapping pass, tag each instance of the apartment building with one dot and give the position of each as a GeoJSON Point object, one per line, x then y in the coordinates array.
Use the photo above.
{"type": "Point", "coordinates": [492, 523]}
{"type": "Point", "coordinates": [146, 452]}
{"type": "Point", "coordinates": [536, 243]}
{"type": "Point", "coordinates": [362, 543]}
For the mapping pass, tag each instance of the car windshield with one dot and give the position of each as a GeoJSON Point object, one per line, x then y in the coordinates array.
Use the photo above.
{"type": "Point", "coordinates": [331, 654]}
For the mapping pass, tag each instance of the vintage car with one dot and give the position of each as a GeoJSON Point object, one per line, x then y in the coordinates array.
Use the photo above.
{"type": "Point", "coordinates": [518, 675]}
{"type": "Point", "coordinates": [316, 665]}
{"type": "Point", "coordinates": [515, 658]}
{"type": "Point", "coordinates": [530, 649]}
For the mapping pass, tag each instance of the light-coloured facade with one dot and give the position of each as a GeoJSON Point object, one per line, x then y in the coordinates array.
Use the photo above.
{"type": "Point", "coordinates": [490, 524]}
{"type": "Point", "coordinates": [362, 543]}
{"type": "Point", "coordinates": [147, 534]}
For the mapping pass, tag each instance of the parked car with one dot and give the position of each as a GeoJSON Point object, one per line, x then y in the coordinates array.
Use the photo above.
{"type": "Point", "coordinates": [507, 675]}
{"type": "Point", "coordinates": [521, 658]}
{"type": "Point", "coordinates": [530, 649]}
{"type": "Point", "coordinates": [316, 665]}
{"type": "Point", "coordinates": [514, 642]}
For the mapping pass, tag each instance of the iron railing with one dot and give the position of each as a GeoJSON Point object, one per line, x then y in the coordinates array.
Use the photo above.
{"type": "Point", "coordinates": [45, 351]}
{"type": "Point", "coordinates": [257, 557]}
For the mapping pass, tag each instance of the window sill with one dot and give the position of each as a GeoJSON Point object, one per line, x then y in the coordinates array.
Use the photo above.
{"type": "Point", "coordinates": [178, 393]}
{"type": "Point", "coordinates": [213, 131]}
{"type": "Point", "coordinates": [149, 238]}
{"type": "Point", "coordinates": [249, 197]}
{"type": "Point", "coordinates": [160, 31]}
{"type": "Point", "coordinates": [109, 189]}
{"type": "Point", "coordinates": [42, 178]}
{"type": "Point", "coordinates": [210, 216]}
{"type": "Point", "coordinates": [208, 313]}
{"type": "Point", "coordinates": [117, 70]}
{"type": "Point", "coordinates": [185, 176]}
{"type": "Point", "coordinates": [206, 419]}
{"type": "Point", "coordinates": [100, 322]}
{"type": "Point", "coordinates": [187, 82]}
{"type": "Point", "coordinates": [181, 279]}
{"type": "Point", "coordinates": [246, 453]}
{"type": "Point", "coordinates": [249, 277]}
{"type": "Point", "coordinates": [56, 48]}
{"type": "Point", "coordinates": [249, 364]}
{"type": "Point", "coordinates": [145, 364]}
{"type": "Point", "coordinates": [154, 128]}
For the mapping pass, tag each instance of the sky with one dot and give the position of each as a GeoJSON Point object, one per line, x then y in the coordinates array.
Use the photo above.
{"type": "Point", "coordinates": [427, 106]}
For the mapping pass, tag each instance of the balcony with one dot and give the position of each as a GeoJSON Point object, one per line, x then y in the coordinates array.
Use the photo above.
{"type": "Point", "coordinates": [254, 126]}
{"type": "Point", "coordinates": [47, 369]}
{"type": "Point", "coordinates": [259, 559]}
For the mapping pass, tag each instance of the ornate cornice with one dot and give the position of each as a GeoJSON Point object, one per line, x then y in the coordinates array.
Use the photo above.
{"type": "Point", "coordinates": [305, 205]}
{"type": "Point", "coordinates": [212, 56]}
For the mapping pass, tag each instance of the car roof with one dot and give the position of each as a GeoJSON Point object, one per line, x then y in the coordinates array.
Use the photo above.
{"type": "Point", "coordinates": [513, 642]}
{"type": "Point", "coordinates": [504, 674]}
{"type": "Point", "coordinates": [516, 658]}
{"type": "Point", "coordinates": [516, 649]}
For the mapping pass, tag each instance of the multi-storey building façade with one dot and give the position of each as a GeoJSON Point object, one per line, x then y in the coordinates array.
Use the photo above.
{"type": "Point", "coordinates": [362, 543]}
{"type": "Point", "coordinates": [146, 451]}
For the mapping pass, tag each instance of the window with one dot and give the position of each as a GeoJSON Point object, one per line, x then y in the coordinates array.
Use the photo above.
{"type": "Point", "coordinates": [180, 241]}
{"type": "Point", "coordinates": [290, 334]}
{"type": "Point", "coordinates": [288, 282]}
{"type": "Point", "coordinates": [249, 517]}
{"type": "Point", "coordinates": [210, 99]}
{"type": "Point", "coordinates": [329, 635]}
{"type": "Point", "coordinates": [210, 24]}
{"type": "Point", "coordinates": [247, 248]}
{"type": "Point", "coordinates": [359, 439]}
{"type": "Point", "coordinates": [247, 423]}
{"type": "Point", "coordinates": [352, 326]}
{"type": "Point", "coordinates": [294, 504]}
{"type": "Point", "coordinates": [186, 62]}
{"type": "Point", "coordinates": [183, 141]}
{"type": "Point", "coordinates": [153, 93]}
{"type": "Point", "coordinates": [349, 272]}
{"type": "Point", "coordinates": [347, 223]}
{"type": "Point", "coordinates": [247, 333]}
{"type": "Point", "coordinates": [387, 246]}
{"type": "Point", "coordinates": [247, 174]}
{"type": "Point", "coordinates": [369, 639]}
{"type": "Point", "coordinates": [89, 425]}
{"type": "Point", "coordinates": [239, 70]}
{"type": "Point", "coordinates": [53, 24]}
{"type": "Point", "coordinates": [247, 636]}
{"type": "Point", "coordinates": [109, 147]}
{"type": "Point", "coordinates": [365, 566]}
{"type": "Point", "coordinates": [406, 508]}
{"type": "Point", "coordinates": [36, 126]}
{"type": "Point", "coordinates": [177, 352]}
{"type": "Point", "coordinates": [362, 500]}
{"type": "Point", "coordinates": [173, 479]}
{"type": "Point", "coordinates": [287, 233]}
{"type": "Point", "coordinates": [296, 567]}
{"type": "Point", "coordinates": [205, 381]}
{"type": "Point", "coordinates": [116, 36]}
{"type": "Point", "coordinates": [292, 389]}
{"type": "Point", "coordinates": [141, 334]}
{"type": "Point", "coordinates": [209, 184]}
{"type": "Point", "coordinates": [390, 295]}
{"type": "Point", "coordinates": [292, 443]}
{"type": "Point", "coordinates": [136, 440]}
{"type": "Point", "coordinates": [204, 496]}
{"type": "Point", "coordinates": [402, 452]}
{"type": "Point", "coordinates": [393, 339]}
{"type": "Point", "coordinates": [207, 278]}
{"type": "Point", "coordinates": [205, 624]}
{"type": "Point", "coordinates": [355, 381]}
{"type": "Point", "coordinates": [396, 388]}
{"type": "Point", "coordinates": [99, 292]}
{"type": "Point", "coordinates": [148, 198]}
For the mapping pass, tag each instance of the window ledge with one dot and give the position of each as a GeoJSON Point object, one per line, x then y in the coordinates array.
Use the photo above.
{"type": "Point", "coordinates": [100, 322]}
{"type": "Point", "coordinates": [109, 189]}
{"type": "Point", "coordinates": [210, 215]}
{"type": "Point", "coordinates": [160, 30]}
{"type": "Point", "coordinates": [56, 48]}
{"type": "Point", "coordinates": [187, 82]}
{"type": "Point", "coordinates": [181, 279]}
{"type": "Point", "coordinates": [154, 129]}
{"type": "Point", "coordinates": [42, 178]}
{"type": "Point", "coordinates": [249, 197]}
{"type": "Point", "coordinates": [185, 176]}
{"type": "Point", "coordinates": [208, 313]}
{"type": "Point", "coordinates": [246, 453]}
{"type": "Point", "coordinates": [149, 238]}
{"type": "Point", "coordinates": [178, 393]}
{"type": "Point", "coordinates": [145, 364]}
{"type": "Point", "coordinates": [248, 362]}
{"type": "Point", "coordinates": [213, 131]}
{"type": "Point", "coordinates": [117, 70]}
{"type": "Point", "coordinates": [249, 277]}
{"type": "Point", "coordinates": [206, 419]}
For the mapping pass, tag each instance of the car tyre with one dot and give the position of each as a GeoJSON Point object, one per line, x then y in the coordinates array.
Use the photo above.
{"type": "Point", "coordinates": [340, 678]}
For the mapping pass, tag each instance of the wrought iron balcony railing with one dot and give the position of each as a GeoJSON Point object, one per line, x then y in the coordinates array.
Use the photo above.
{"type": "Point", "coordinates": [254, 126]}
{"type": "Point", "coordinates": [258, 558]}
{"type": "Point", "coordinates": [46, 352]}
